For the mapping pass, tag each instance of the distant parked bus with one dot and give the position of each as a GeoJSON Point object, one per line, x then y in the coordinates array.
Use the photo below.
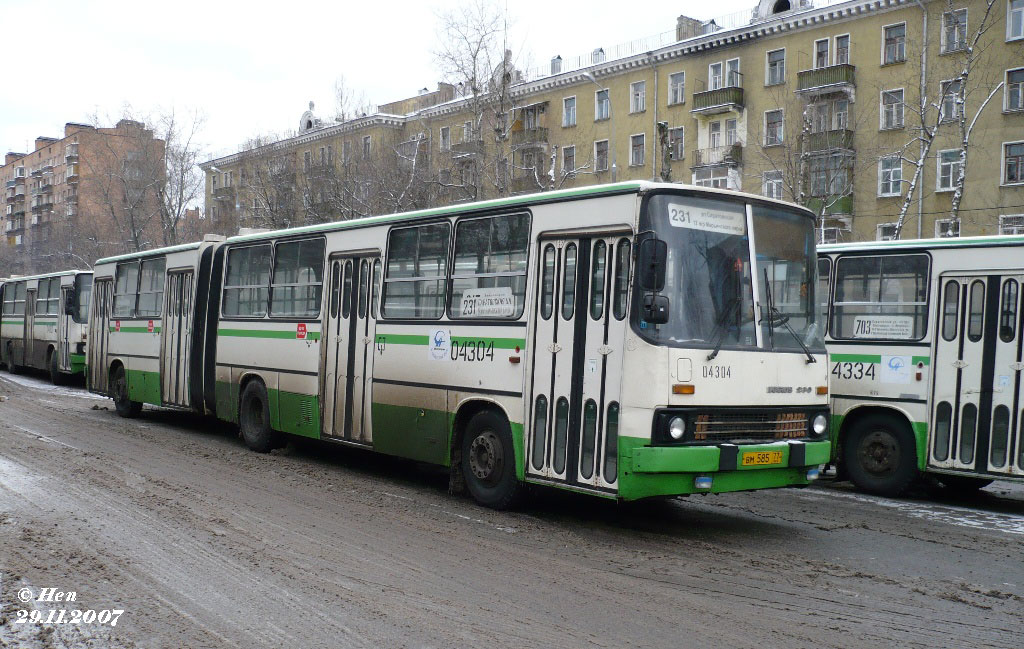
{"type": "Point", "coordinates": [44, 320]}
{"type": "Point", "coordinates": [626, 340]}
{"type": "Point", "coordinates": [925, 356]}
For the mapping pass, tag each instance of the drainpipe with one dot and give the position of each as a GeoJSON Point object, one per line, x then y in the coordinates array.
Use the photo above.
{"type": "Point", "coordinates": [923, 90]}
{"type": "Point", "coordinates": [656, 139]}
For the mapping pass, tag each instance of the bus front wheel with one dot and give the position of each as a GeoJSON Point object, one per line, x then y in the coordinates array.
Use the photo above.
{"type": "Point", "coordinates": [55, 376]}
{"type": "Point", "coordinates": [119, 389]}
{"type": "Point", "coordinates": [880, 455]}
{"type": "Point", "coordinates": [488, 461]}
{"type": "Point", "coordinates": [254, 419]}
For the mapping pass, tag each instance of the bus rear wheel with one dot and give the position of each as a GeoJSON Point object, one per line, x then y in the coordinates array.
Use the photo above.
{"type": "Point", "coordinates": [12, 367]}
{"type": "Point", "coordinates": [254, 419]}
{"type": "Point", "coordinates": [119, 390]}
{"type": "Point", "coordinates": [488, 461]}
{"type": "Point", "coordinates": [880, 455]}
{"type": "Point", "coordinates": [962, 484]}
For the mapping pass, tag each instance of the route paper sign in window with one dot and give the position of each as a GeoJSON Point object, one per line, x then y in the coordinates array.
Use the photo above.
{"type": "Point", "coordinates": [893, 327]}
{"type": "Point", "coordinates": [708, 219]}
{"type": "Point", "coordinates": [495, 302]}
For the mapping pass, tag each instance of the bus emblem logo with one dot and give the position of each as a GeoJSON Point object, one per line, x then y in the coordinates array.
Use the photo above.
{"type": "Point", "coordinates": [300, 331]}
{"type": "Point", "coordinates": [440, 345]}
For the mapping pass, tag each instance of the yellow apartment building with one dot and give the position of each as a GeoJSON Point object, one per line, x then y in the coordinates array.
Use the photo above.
{"type": "Point", "coordinates": [864, 111]}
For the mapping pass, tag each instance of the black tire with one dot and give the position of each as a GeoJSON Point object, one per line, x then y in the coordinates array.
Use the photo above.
{"type": "Point", "coordinates": [12, 367]}
{"type": "Point", "coordinates": [55, 376]}
{"type": "Point", "coordinates": [962, 484]}
{"type": "Point", "coordinates": [488, 461]}
{"type": "Point", "coordinates": [254, 419]}
{"type": "Point", "coordinates": [119, 392]}
{"type": "Point", "coordinates": [880, 455]}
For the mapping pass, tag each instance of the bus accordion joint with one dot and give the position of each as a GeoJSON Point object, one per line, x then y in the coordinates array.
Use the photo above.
{"type": "Point", "coordinates": [822, 390]}
{"type": "Point", "coordinates": [683, 388]}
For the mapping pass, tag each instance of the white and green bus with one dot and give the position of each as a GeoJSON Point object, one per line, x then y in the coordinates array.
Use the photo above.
{"type": "Point", "coordinates": [925, 360]}
{"type": "Point", "coordinates": [627, 340]}
{"type": "Point", "coordinates": [44, 321]}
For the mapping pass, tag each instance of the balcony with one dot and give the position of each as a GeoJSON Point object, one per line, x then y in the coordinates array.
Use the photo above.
{"type": "Point", "coordinates": [71, 153]}
{"type": "Point", "coordinates": [72, 173]}
{"type": "Point", "coordinates": [831, 205]}
{"type": "Point", "coordinates": [528, 137]}
{"type": "Point", "coordinates": [823, 81]}
{"type": "Point", "coordinates": [47, 169]}
{"type": "Point", "coordinates": [722, 100]}
{"type": "Point", "coordinates": [830, 140]}
{"type": "Point", "coordinates": [718, 155]}
{"type": "Point", "coordinates": [467, 148]}
{"type": "Point", "coordinates": [46, 186]}
{"type": "Point", "coordinates": [224, 194]}
{"type": "Point", "coordinates": [72, 209]}
{"type": "Point", "coordinates": [38, 171]}
{"type": "Point", "coordinates": [525, 184]}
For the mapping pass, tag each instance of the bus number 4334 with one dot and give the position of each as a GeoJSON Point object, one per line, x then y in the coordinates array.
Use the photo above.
{"type": "Point", "coordinates": [854, 371]}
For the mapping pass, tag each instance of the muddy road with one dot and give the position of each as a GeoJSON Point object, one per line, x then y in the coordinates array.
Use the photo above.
{"type": "Point", "coordinates": [204, 544]}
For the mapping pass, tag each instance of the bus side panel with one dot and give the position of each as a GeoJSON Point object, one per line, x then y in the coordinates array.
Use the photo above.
{"type": "Point", "coordinates": [411, 422]}
{"type": "Point", "coordinates": [913, 414]}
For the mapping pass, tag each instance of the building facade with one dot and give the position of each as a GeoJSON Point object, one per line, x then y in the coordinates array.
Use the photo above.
{"type": "Point", "coordinates": [77, 198]}
{"type": "Point", "coordinates": [878, 115]}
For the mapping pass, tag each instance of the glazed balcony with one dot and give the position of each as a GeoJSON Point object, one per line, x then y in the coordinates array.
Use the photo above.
{"type": "Point", "coordinates": [837, 139]}
{"type": "Point", "coordinates": [831, 205]}
{"type": "Point", "coordinates": [529, 137]}
{"type": "Point", "coordinates": [822, 81]}
{"type": "Point", "coordinates": [71, 153]}
{"type": "Point", "coordinates": [722, 100]}
{"type": "Point", "coordinates": [72, 173]}
{"type": "Point", "coordinates": [467, 148]}
{"type": "Point", "coordinates": [224, 194]}
{"type": "Point", "coordinates": [525, 184]}
{"type": "Point", "coordinates": [718, 155]}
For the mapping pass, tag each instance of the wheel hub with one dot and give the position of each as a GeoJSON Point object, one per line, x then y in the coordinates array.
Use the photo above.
{"type": "Point", "coordinates": [485, 458]}
{"type": "Point", "coordinates": [879, 453]}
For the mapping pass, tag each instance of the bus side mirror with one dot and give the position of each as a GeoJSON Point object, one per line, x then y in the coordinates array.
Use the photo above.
{"type": "Point", "coordinates": [655, 308]}
{"type": "Point", "coordinates": [70, 302]}
{"type": "Point", "coordinates": [651, 263]}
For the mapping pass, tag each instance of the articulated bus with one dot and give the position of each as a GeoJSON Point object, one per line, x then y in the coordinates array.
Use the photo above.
{"type": "Point", "coordinates": [925, 355]}
{"type": "Point", "coordinates": [627, 340]}
{"type": "Point", "coordinates": [44, 322]}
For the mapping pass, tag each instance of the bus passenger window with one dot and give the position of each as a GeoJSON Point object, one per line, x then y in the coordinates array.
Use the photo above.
{"type": "Point", "coordinates": [346, 289]}
{"type": "Point", "coordinates": [375, 288]}
{"type": "Point", "coordinates": [489, 274]}
{"type": "Point", "coordinates": [126, 288]}
{"type": "Point", "coordinates": [1000, 433]}
{"type": "Point", "coordinates": [414, 280]}
{"type": "Point", "coordinates": [611, 443]}
{"type": "Point", "coordinates": [1008, 311]}
{"type": "Point", "coordinates": [335, 287]}
{"type": "Point", "coordinates": [540, 428]}
{"type": "Point", "coordinates": [364, 285]}
{"type": "Point", "coordinates": [943, 417]}
{"type": "Point", "coordinates": [151, 289]}
{"type": "Point", "coordinates": [247, 282]}
{"type": "Point", "coordinates": [547, 283]}
{"type": "Point", "coordinates": [297, 285]}
{"type": "Point", "coordinates": [968, 428]}
{"type": "Point", "coordinates": [880, 297]}
{"type": "Point", "coordinates": [569, 282]}
{"type": "Point", "coordinates": [976, 311]}
{"type": "Point", "coordinates": [824, 275]}
{"type": "Point", "coordinates": [597, 270]}
{"type": "Point", "coordinates": [950, 309]}
{"type": "Point", "coordinates": [622, 259]}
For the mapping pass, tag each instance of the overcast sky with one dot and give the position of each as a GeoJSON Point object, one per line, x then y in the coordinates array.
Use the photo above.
{"type": "Point", "coordinates": [252, 67]}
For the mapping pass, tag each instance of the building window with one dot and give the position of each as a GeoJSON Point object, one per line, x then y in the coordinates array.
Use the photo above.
{"type": "Point", "coordinates": [346, 152]}
{"type": "Point", "coordinates": [717, 177]}
{"type": "Point", "coordinates": [773, 127]}
{"type": "Point", "coordinates": [676, 143]}
{"type": "Point", "coordinates": [330, 155]}
{"type": "Point", "coordinates": [1015, 89]}
{"type": "Point", "coordinates": [1011, 224]}
{"type": "Point", "coordinates": [714, 76]}
{"type": "Point", "coordinates": [840, 114]}
{"type": "Point", "coordinates": [467, 132]}
{"type": "Point", "coordinates": [776, 68]}
{"type": "Point", "coordinates": [638, 97]}
{"type": "Point", "coordinates": [820, 117]}
{"type": "Point", "coordinates": [602, 105]}
{"type": "Point", "coordinates": [676, 88]}
{"type": "Point", "coordinates": [366, 147]}
{"type": "Point", "coordinates": [947, 228]}
{"type": "Point", "coordinates": [569, 160]}
{"type": "Point", "coordinates": [636, 150]}
{"type": "Point", "coordinates": [772, 184]}
{"type": "Point", "coordinates": [531, 117]}
{"type": "Point", "coordinates": [949, 169]}
{"type": "Point", "coordinates": [885, 232]}
{"type": "Point", "coordinates": [954, 30]}
{"type": "Point", "coordinates": [569, 111]}
{"type": "Point", "coordinates": [890, 175]}
{"type": "Point", "coordinates": [952, 106]}
{"type": "Point", "coordinates": [1013, 163]}
{"type": "Point", "coordinates": [601, 155]}
{"type": "Point", "coordinates": [306, 160]}
{"type": "Point", "coordinates": [715, 135]}
{"type": "Point", "coordinates": [732, 73]}
{"type": "Point", "coordinates": [1014, 19]}
{"type": "Point", "coordinates": [842, 49]}
{"type": "Point", "coordinates": [821, 53]}
{"type": "Point", "coordinates": [446, 138]}
{"type": "Point", "coordinates": [730, 132]}
{"type": "Point", "coordinates": [892, 108]}
{"type": "Point", "coordinates": [895, 44]}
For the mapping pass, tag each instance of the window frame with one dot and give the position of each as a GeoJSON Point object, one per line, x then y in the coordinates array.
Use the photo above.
{"type": "Point", "coordinates": [939, 187]}
{"type": "Point", "coordinates": [638, 97]}
{"type": "Point", "coordinates": [1009, 20]}
{"type": "Point", "coordinates": [1006, 91]}
{"type": "Point", "coordinates": [720, 76]}
{"type": "Point", "coordinates": [444, 278]}
{"type": "Point", "coordinates": [681, 99]}
{"type": "Point", "coordinates": [672, 146]}
{"type": "Point", "coordinates": [607, 156]}
{"type": "Point", "coordinates": [643, 149]}
{"type": "Point", "coordinates": [901, 105]}
{"type": "Point", "coordinates": [139, 292]}
{"type": "Point", "coordinates": [598, 104]}
{"type": "Point", "coordinates": [566, 123]}
{"type": "Point", "coordinates": [1005, 217]}
{"type": "Point", "coordinates": [569, 172]}
{"type": "Point", "coordinates": [224, 281]}
{"type": "Point", "coordinates": [768, 68]}
{"type": "Point", "coordinates": [939, 223]}
{"type": "Point", "coordinates": [133, 292]}
{"type": "Point", "coordinates": [925, 306]}
{"type": "Point", "coordinates": [944, 118]}
{"type": "Point", "coordinates": [445, 138]}
{"type": "Point", "coordinates": [899, 183]}
{"type": "Point", "coordinates": [944, 47]}
{"type": "Point", "coordinates": [835, 49]}
{"type": "Point", "coordinates": [828, 53]}
{"type": "Point", "coordinates": [774, 182]}
{"type": "Point", "coordinates": [1003, 176]}
{"type": "Point", "coordinates": [324, 276]}
{"type": "Point", "coordinates": [452, 275]}
{"type": "Point", "coordinates": [902, 59]}
{"type": "Point", "coordinates": [782, 128]}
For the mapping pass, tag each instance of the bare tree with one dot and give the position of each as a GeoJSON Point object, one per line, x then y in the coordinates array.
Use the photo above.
{"type": "Point", "coordinates": [184, 182]}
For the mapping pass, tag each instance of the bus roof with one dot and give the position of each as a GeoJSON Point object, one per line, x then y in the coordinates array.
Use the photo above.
{"type": "Point", "coordinates": [917, 244]}
{"type": "Point", "coordinates": [62, 273]}
{"type": "Point", "coordinates": [150, 253]}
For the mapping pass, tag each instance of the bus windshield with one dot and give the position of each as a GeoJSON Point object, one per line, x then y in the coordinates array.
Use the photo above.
{"type": "Point", "coordinates": [83, 292]}
{"type": "Point", "coordinates": [710, 277]}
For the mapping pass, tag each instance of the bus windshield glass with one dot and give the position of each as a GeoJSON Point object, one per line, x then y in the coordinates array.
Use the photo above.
{"type": "Point", "coordinates": [83, 293]}
{"type": "Point", "coordinates": [710, 277]}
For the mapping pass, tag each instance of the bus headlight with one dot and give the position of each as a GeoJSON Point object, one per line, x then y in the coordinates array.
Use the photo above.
{"type": "Point", "coordinates": [677, 428]}
{"type": "Point", "coordinates": [819, 425]}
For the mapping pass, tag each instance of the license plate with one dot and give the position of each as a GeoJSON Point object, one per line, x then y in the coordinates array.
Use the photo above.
{"type": "Point", "coordinates": [761, 457]}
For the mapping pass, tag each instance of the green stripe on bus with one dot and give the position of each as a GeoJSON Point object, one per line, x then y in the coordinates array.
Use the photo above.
{"type": "Point", "coordinates": [412, 339]}
{"type": "Point", "coordinates": [12, 322]}
{"type": "Point", "coordinates": [856, 358]}
{"type": "Point", "coordinates": [920, 359]}
{"type": "Point", "coordinates": [134, 330]}
{"type": "Point", "coordinates": [290, 334]}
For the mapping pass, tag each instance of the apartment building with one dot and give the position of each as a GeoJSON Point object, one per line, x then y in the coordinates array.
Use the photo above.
{"type": "Point", "coordinates": [864, 111]}
{"type": "Point", "coordinates": [76, 198]}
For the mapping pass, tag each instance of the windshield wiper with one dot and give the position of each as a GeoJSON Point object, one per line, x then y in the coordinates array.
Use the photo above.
{"type": "Point", "coordinates": [720, 327]}
{"type": "Point", "coordinates": [782, 320]}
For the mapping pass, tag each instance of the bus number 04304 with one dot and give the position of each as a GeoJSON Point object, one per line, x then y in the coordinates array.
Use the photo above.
{"type": "Point", "coordinates": [855, 371]}
{"type": "Point", "coordinates": [473, 350]}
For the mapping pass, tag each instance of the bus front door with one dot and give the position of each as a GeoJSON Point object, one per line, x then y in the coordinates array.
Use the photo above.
{"type": "Point", "coordinates": [176, 339]}
{"type": "Point", "coordinates": [977, 375]}
{"type": "Point", "coordinates": [99, 334]}
{"type": "Point", "coordinates": [348, 350]}
{"type": "Point", "coordinates": [577, 361]}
